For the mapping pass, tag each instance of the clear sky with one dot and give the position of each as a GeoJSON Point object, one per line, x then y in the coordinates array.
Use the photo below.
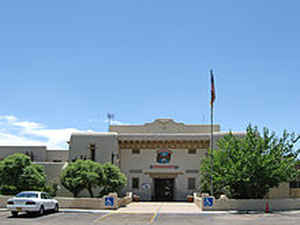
{"type": "Point", "coordinates": [65, 64]}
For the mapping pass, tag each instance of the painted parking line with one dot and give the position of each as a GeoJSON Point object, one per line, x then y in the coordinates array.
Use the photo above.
{"type": "Point", "coordinates": [146, 218]}
{"type": "Point", "coordinates": [156, 214]}
{"type": "Point", "coordinates": [102, 217]}
{"type": "Point", "coordinates": [49, 215]}
{"type": "Point", "coordinates": [154, 217]}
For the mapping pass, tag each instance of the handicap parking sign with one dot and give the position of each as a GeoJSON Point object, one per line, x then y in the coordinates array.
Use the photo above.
{"type": "Point", "coordinates": [109, 201]}
{"type": "Point", "coordinates": [208, 202]}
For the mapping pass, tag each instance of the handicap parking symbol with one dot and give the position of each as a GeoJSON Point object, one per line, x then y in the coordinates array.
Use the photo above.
{"type": "Point", "coordinates": [208, 202]}
{"type": "Point", "coordinates": [109, 201]}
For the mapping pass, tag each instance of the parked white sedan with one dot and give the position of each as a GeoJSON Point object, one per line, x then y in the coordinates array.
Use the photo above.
{"type": "Point", "coordinates": [32, 201]}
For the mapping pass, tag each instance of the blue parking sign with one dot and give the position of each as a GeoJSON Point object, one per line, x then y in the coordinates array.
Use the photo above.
{"type": "Point", "coordinates": [109, 201]}
{"type": "Point", "coordinates": [208, 201]}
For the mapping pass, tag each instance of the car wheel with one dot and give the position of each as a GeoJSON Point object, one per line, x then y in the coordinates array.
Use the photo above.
{"type": "Point", "coordinates": [42, 211]}
{"type": "Point", "coordinates": [14, 213]}
{"type": "Point", "coordinates": [56, 208]}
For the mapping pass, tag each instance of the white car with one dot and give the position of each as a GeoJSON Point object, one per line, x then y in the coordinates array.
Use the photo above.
{"type": "Point", "coordinates": [32, 202]}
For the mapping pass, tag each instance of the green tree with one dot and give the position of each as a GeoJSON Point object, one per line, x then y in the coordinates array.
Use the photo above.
{"type": "Point", "coordinates": [32, 174]}
{"type": "Point", "coordinates": [248, 167]}
{"type": "Point", "coordinates": [83, 174]}
{"type": "Point", "coordinates": [17, 173]}
{"type": "Point", "coordinates": [115, 179]}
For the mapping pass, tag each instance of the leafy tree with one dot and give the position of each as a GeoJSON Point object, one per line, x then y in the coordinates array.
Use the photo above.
{"type": "Point", "coordinates": [83, 174]}
{"type": "Point", "coordinates": [17, 173]}
{"type": "Point", "coordinates": [30, 175]}
{"type": "Point", "coordinates": [70, 179]}
{"type": "Point", "coordinates": [51, 189]}
{"type": "Point", "coordinates": [115, 179]}
{"type": "Point", "coordinates": [248, 167]}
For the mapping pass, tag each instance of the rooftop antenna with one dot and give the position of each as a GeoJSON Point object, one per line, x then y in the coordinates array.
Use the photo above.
{"type": "Point", "coordinates": [203, 119]}
{"type": "Point", "coordinates": [110, 118]}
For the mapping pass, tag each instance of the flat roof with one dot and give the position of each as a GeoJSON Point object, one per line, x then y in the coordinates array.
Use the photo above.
{"type": "Point", "coordinates": [179, 136]}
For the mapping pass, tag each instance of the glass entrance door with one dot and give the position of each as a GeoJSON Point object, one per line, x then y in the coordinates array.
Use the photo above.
{"type": "Point", "coordinates": [164, 189]}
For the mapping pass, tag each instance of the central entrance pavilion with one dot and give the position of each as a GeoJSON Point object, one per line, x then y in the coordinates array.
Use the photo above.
{"type": "Point", "coordinates": [161, 159]}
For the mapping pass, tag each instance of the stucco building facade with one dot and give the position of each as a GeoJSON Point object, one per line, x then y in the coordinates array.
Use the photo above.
{"type": "Point", "coordinates": [160, 159]}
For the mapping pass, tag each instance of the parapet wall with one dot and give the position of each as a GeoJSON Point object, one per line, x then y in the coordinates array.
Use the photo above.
{"type": "Point", "coordinates": [36, 153]}
{"type": "Point", "coordinates": [249, 204]}
{"type": "Point", "coordinates": [57, 155]}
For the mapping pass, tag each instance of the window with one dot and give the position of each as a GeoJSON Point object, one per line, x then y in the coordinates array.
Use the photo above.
{"type": "Point", "coordinates": [135, 171]}
{"type": "Point", "coordinates": [93, 151]}
{"type": "Point", "coordinates": [43, 196]}
{"type": "Point", "coordinates": [135, 183]}
{"type": "Point", "coordinates": [48, 196]}
{"type": "Point", "coordinates": [27, 195]}
{"type": "Point", "coordinates": [191, 183]}
{"type": "Point", "coordinates": [135, 151]}
{"type": "Point", "coordinates": [192, 151]}
{"type": "Point", "coordinates": [295, 184]}
{"type": "Point", "coordinates": [192, 171]}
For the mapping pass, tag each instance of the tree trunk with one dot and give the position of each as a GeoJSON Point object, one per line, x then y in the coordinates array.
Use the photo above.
{"type": "Point", "coordinates": [91, 192]}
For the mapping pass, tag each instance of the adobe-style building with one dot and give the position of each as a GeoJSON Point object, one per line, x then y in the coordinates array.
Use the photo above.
{"type": "Point", "coordinates": [160, 159]}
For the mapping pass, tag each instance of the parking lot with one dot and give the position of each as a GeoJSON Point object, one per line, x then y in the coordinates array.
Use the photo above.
{"type": "Point", "coordinates": [160, 213]}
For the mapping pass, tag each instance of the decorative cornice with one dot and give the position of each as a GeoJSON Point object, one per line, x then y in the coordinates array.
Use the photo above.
{"type": "Point", "coordinates": [170, 144]}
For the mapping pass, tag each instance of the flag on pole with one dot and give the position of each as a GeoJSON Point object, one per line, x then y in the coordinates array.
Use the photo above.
{"type": "Point", "coordinates": [110, 116]}
{"type": "Point", "coordinates": [213, 91]}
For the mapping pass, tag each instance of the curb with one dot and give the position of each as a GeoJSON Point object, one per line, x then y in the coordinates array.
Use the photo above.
{"type": "Point", "coordinates": [107, 211]}
{"type": "Point", "coordinates": [84, 210]}
{"type": "Point", "coordinates": [251, 212]}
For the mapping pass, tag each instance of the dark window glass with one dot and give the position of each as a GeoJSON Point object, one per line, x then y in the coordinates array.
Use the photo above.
{"type": "Point", "coordinates": [135, 171]}
{"type": "Point", "coordinates": [43, 196]}
{"type": "Point", "coordinates": [27, 195]}
{"type": "Point", "coordinates": [191, 183]}
{"type": "Point", "coordinates": [136, 151]}
{"type": "Point", "coordinates": [48, 196]}
{"type": "Point", "coordinates": [192, 151]}
{"type": "Point", "coordinates": [93, 151]}
{"type": "Point", "coordinates": [135, 183]}
{"type": "Point", "coordinates": [295, 184]}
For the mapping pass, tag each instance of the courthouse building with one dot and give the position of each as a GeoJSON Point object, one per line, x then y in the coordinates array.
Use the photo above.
{"type": "Point", "coordinates": [161, 159]}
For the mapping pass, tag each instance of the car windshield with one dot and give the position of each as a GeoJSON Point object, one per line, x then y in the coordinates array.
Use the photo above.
{"type": "Point", "coordinates": [27, 195]}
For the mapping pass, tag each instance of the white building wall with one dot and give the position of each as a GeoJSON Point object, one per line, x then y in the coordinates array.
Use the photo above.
{"type": "Point", "coordinates": [163, 126]}
{"type": "Point", "coordinates": [106, 144]}
{"type": "Point", "coordinates": [39, 152]}
{"type": "Point", "coordinates": [57, 155]}
{"type": "Point", "coordinates": [138, 165]}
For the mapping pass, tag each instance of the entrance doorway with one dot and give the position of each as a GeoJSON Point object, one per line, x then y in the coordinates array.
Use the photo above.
{"type": "Point", "coordinates": [164, 189]}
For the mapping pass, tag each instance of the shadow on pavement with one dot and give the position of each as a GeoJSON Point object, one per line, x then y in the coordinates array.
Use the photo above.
{"type": "Point", "coordinates": [29, 215]}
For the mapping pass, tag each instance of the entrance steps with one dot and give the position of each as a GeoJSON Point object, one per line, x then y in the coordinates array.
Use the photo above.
{"type": "Point", "coordinates": [161, 207]}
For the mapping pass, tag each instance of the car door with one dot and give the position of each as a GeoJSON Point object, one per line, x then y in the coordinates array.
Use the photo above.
{"type": "Point", "coordinates": [45, 201]}
{"type": "Point", "coordinates": [51, 201]}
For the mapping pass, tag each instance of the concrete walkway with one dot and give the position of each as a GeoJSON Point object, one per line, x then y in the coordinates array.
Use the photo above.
{"type": "Point", "coordinates": [160, 207]}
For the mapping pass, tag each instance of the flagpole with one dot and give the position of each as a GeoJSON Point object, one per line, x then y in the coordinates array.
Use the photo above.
{"type": "Point", "coordinates": [213, 97]}
{"type": "Point", "coordinates": [211, 149]}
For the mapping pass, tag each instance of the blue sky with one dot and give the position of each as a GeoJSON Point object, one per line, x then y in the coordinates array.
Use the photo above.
{"type": "Point", "coordinates": [65, 64]}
